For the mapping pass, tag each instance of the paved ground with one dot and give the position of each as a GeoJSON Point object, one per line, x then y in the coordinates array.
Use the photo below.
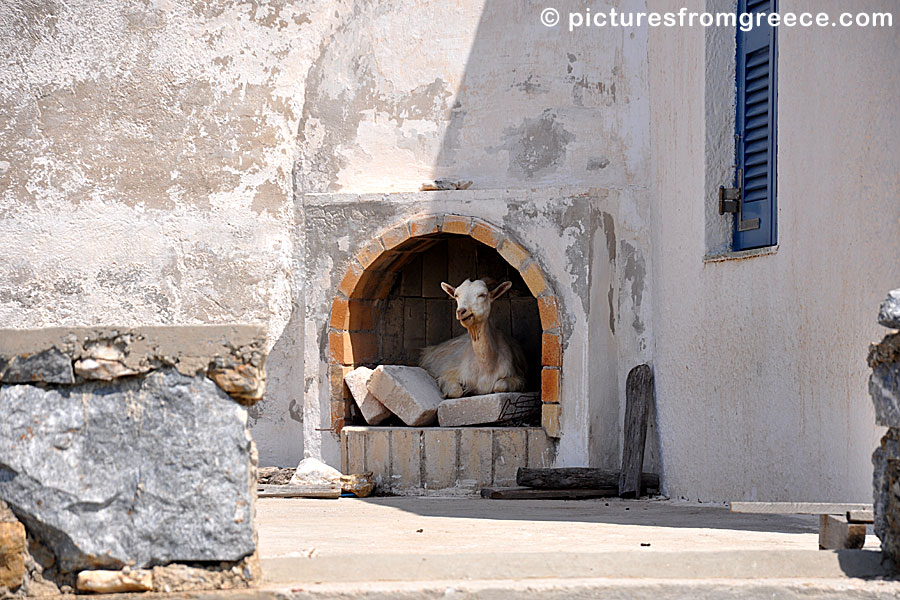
{"type": "Point", "coordinates": [474, 548]}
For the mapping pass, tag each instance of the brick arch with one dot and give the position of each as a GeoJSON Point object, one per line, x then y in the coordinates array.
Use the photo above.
{"type": "Point", "coordinates": [371, 274]}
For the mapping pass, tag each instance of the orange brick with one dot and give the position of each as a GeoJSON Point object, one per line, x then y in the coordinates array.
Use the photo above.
{"type": "Point", "coordinates": [340, 313]}
{"type": "Point", "coordinates": [352, 348]}
{"type": "Point", "coordinates": [395, 236]}
{"type": "Point", "coordinates": [550, 386]}
{"type": "Point", "coordinates": [371, 285]}
{"type": "Point", "coordinates": [548, 308]}
{"type": "Point", "coordinates": [550, 414]}
{"type": "Point", "coordinates": [351, 279]}
{"type": "Point", "coordinates": [551, 350]}
{"type": "Point", "coordinates": [424, 226]}
{"type": "Point", "coordinates": [362, 316]}
{"type": "Point", "coordinates": [369, 253]}
{"type": "Point", "coordinates": [534, 278]}
{"type": "Point", "coordinates": [486, 233]}
{"type": "Point", "coordinates": [513, 253]}
{"type": "Point", "coordinates": [339, 389]}
{"type": "Point", "coordinates": [456, 224]}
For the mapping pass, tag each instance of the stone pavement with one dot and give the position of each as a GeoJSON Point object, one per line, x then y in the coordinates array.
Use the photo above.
{"type": "Point", "coordinates": [474, 548]}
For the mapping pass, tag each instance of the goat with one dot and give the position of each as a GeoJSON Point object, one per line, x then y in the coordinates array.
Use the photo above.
{"type": "Point", "coordinates": [485, 359]}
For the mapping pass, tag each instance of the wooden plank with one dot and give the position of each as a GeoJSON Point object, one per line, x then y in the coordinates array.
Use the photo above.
{"type": "Point", "coordinates": [411, 282]}
{"type": "Point", "coordinates": [438, 320]}
{"type": "Point", "coordinates": [796, 508]}
{"type": "Point", "coordinates": [434, 271]}
{"type": "Point", "coordinates": [577, 478]}
{"type": "Point", "coordinates": [413, 327]}
{"type": "Point", "coordinates": [835, 533]}
{"type": "Point", "coordinates": [861, 516]}
{"type": "Point", "coordinates": [525, 493]}
{"type": "Point", "coordinates": [299, 491]}
{"type": "Point", "coordinates": [391, 331]}
{"type": "Point", "coordinates": [638, 396]}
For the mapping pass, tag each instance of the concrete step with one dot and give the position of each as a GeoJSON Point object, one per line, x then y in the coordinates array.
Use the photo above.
{"type": "Point", "coordinates": [704, 565]}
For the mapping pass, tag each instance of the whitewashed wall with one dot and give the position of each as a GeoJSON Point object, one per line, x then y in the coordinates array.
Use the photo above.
{"type": "Point", "coordinates": [760, 362]}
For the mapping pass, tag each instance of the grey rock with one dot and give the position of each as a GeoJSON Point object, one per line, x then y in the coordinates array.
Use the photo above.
{"type": "Point", "coordinates": [141, 471]}
{"type": "Point", "coordinates": [886, 484]}
{"type": "Point", "coordinates": [47, 366]}
{"type": "Point", "coordinates": [884, 382]}
{"type": "Point", "coordinates": [889, 313]}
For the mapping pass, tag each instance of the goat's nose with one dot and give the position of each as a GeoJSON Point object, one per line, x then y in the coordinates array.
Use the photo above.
{"type": "Point", "coordinates": [460, 312]}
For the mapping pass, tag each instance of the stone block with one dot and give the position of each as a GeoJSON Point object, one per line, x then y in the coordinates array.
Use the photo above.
{"type": "Point", "coordinates": [137, 471]}
{"type": "Point", "coordinates": [439, 459]}
{"type": "Point", "coordinates": [406, 458]}
{"type": "Point", "coordinates": [510, 452]}
{"type": "Point", "coordinates": [373, 411]}
{"type": "Point", "coordinates": [889, 313]}
{"type": "Point", "coordinates": [12, 553]}
{"type": "Point", "coordinates": [408, 392]}
{"type": "Point", "coordinates": [541, 449]}
{"type": "Point", "coordinates": [476, 456]}
{"type": "Point", "coordinates": [886, 484]}
{"type": "Point", "coordinates": [884, 382]}
{"type": "Point", "coordinates": [378, 456]}
{"type": "Point", "coordinates": [47, 366]}
{"type": "Point", "coordinates": [487, 408]}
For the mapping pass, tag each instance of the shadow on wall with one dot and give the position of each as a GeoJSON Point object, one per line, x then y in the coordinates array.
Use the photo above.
{"type": "Point", "coordinates": [536, 105]}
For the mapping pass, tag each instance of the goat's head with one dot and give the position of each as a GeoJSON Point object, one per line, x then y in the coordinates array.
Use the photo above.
{"type": "Point", "coordinates": [473, 300]}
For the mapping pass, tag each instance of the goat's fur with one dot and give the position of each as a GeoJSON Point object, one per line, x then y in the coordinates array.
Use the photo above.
{"type": "Point", "coordinates": [482, 361]}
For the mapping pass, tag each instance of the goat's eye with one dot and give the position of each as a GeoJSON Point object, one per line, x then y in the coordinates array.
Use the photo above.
{"type": "Point", "coordinates": [482, 295]}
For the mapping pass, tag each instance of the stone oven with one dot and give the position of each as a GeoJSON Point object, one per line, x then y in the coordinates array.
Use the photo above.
{"type": "Point", "coordinates": [374, 266]}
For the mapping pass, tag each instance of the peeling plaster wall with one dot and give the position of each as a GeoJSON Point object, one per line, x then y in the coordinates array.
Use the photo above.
{"type": "Point", "coordinates": [409, 90]}
{"type": "Point", "coordinates": [146, 151]}
{"type": "Point", "coordinates": [154, 155]}
{"type": "Point", "coordinates": [760, 362]}
{"type": "Point", "coordinates": [406, 91]}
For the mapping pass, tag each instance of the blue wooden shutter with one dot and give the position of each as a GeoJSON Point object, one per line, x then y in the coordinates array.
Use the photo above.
{"type": "Point", "coordinates": [756, 127]}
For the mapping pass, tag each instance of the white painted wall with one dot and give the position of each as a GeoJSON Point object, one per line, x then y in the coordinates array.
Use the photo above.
{"type": "Point", "coordinates": [760, 362]}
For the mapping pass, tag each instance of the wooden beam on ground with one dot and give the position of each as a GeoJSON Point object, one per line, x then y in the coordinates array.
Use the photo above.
{"type": "Point", "coordinates": [526, 493]}
{"type": "Point", "coordinates": [577, 477]}
{"type": "Point", "coordinates": [835, 533]}
{"type": "Point", "coordinates": [299, 491]}
{"type": "Point", "coordinates": [797, 508]}
{"type": "Point", "coordinates": [638, 396]}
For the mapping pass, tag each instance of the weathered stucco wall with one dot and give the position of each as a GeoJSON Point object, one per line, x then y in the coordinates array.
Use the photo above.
{"type": "Point", "coordinates": [154, 154]}
{"type": "Point", "coordinates": [409, 90]}
{"type": "Point", "coordinates": [146, 153]}
{"type": "Point", "coordinates": [760, 362]}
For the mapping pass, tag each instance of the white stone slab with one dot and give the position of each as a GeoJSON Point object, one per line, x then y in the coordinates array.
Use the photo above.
{"type": "Point", "coordinates": [488, 408]}
{"type": "Point", "coordinates": [408, 392]}
{"type": "Point", "coordinates": [373, 411]}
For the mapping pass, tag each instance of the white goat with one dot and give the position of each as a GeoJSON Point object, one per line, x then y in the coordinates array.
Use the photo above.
{"type": "Point", "coordinates": [482, 361]}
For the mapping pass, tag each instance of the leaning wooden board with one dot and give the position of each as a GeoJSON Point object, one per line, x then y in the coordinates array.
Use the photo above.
{"type": "Point", "coordinates": [526, 493]}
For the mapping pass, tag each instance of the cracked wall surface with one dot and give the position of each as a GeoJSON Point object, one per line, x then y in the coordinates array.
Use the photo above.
{"type": "Point", "coordinates": [154, 154]}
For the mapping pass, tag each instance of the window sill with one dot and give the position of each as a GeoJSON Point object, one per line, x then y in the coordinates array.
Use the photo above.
{"type": "Point", "coordinates": [740, 255]}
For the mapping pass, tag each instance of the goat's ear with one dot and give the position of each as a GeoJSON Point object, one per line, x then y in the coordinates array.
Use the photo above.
{"type": "Point", "coordinates": [500, 289]}
{"type": "Point", "coordinates": [451, 291]}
